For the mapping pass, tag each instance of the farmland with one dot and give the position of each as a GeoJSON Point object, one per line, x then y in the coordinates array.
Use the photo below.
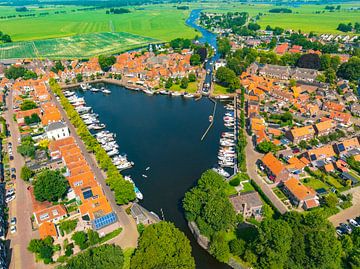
{"type": "Point", "coordinates": [78, 46]}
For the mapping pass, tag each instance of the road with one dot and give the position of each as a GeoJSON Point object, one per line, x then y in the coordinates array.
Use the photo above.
{"type": "Point", "coordinates": [251, 158]}
{"type": "Point", "coordinates": [351, 212]}
{"type": "Point", "coordinates": [21, 207]}
{"type": "Point", "coordinates": [129, 235]}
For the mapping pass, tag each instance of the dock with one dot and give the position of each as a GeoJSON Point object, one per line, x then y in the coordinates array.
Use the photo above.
{"type": "Point", "coordinates": [212, 122]}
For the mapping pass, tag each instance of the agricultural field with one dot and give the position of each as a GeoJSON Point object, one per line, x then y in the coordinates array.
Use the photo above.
{"type": "Point", "coordinates": [163, 22]}
{"type": "Point", "coordinates": [303, 17]}
{"type": "Point", "coordinates": [78, 46]}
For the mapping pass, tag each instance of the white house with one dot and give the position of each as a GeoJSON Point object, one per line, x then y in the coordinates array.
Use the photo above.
{"type": "Point", "coordinates": [57, 130]}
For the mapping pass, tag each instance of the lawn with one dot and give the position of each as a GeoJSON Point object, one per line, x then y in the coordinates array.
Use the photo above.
{"type": "Point", "coordinates": [333, 182]}
{"type": "Point", "coordinates": [279, 193]}
{"type": "Point", "coordinates": [230, 190]}
{"type": "Point", "coordinates": [192, 88]}
{"type": "Point", "coordinates": [78, 46]}
{"type": "Point", "coordinates": [247, 187]}
{"type": "Point", "coordinates": [315, 183]}
{"type": "Point", "coordinates": [218, 89]}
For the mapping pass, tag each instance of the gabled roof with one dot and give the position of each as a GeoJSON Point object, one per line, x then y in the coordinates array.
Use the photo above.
{"type": "Point", "coordinates": [300, 191]}
{"type": "Point", "coordinates": [272, 163]}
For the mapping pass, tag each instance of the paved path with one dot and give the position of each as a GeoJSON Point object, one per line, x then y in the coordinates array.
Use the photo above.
{"type": "Point", "coordinates": [251, 158]}
{"type": "Point", "coordinates": [21, 207]}
{"type": "Point", "coordinates": [351, 212]}
{"type": "Point", "coordinates": [129, 233]}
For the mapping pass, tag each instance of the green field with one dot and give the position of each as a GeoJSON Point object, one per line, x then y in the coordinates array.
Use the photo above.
{"type": "Point", "coordinates": [78, 46]}
{"type": "Point", "coordinates": [163, 22]}
{"type": "Point", "coordinates": [303, 17]}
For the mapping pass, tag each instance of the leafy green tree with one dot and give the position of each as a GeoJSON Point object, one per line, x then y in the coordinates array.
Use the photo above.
{"type": "Point", "coordinates": [237, 247]}
{"type": "Point", "coordinates": [68, 225]}
{"type": "Point", "coordinates": [50, 185]}
{"type": "Point", "coordinates": [27, 105]}
{"type": "Point", "coordinates": [227, 77]}
{"type": "Point", "coordinates": [350, 70]}
{"type": "Point", "coordinates": [104, 257]}
{"type": "Point", "coordinates": [106, 62]}
{"type": "Point", "coordinates": [192, 77]}
{"type": "Point", "coordinates": [14, 72]}
{"type": "Point", "coordinates": [93, 237]}
{"type": "Point", "coordinates": [266, 146]}
{"type": "Point", "coordinates": [79, 78]}
{"type": "Point", "coordinates": [162, 245]}
{"type": "Point", "coordinates": [27, 148]}
{"type": "Point", "coordinates": [224, 46]}
{"type": "Point", "coordinates": [169, 83]}
{"type": "Point", "coordinates": [184, 83]}
{"type": "Point", "coordinates": [195, 59]}
{"type": "Point", "coordinates": [331, 200]}
{"type": "Point", "coordinates": [219, 247]}
{"type": "Point", "coordinates": [80, 239]}
{"type": "Point", "coordinates": [303, 144]}
{"type": "Point", "coordinates": [26, 173]}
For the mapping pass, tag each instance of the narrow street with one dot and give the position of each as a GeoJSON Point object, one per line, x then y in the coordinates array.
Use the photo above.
{"type": "Point", "coordinates": [21, 207]}
{"type": "Point", "coordinates": [251, 158]}
{"type": "Point", "coordinates": [129, 235]}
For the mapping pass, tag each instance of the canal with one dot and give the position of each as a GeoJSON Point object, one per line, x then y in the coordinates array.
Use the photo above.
{"type": "Point", "coordinates": [163, 133]}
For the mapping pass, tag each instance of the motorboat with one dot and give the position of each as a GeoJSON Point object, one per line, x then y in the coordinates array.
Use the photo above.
{"type": "Point", "coordinates": [96, 126]}
{"type": "Point", "coordinates": [106, 91]}
{"type": "Point", "coordinates": [124, 166]}
{"type": "Point", "coordinates": [176, 94]}
{"type": "Point", "coordinates": [145, 176]}
{"type": "Point", "coordinates": [112, 152]}
{"type": "Point", "coordinates": [83, 109]}
{"type": "Point", "coordinates": [94, 89]}
{"type": "Point", "coordinates": [188, 95]}
{"type": "Point", "coordinates": [138, 193]}
{"type": "Point", "coordinates": [68, 93]}
{"type": "Point", "coordinates": [163, 92]}
{"type": "Point", "coordinates": [84, 86]}
{"type": "Point", "coordinates": [221, 172]}
{"type": "Point", "coordinates": [147, 91]}
{"type": "Point", "coordinates": [222, 97]}
{"type": "Point", "coordinates": [147, 168]}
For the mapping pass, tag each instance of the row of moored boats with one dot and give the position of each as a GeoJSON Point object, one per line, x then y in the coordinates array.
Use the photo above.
{"type": "Point", "coordinates": [105, 138]}
{"type": "Point", "coordinates": [227, 151]}
{"type": "Point", "coordinates": [87, 86]}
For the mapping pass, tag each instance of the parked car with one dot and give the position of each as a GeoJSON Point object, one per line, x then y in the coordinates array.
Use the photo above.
{"type": "Point", "coordinates": [11, 157]}
{"type": "Point", "coordinates": [13, 176]}
{"type": "Point", "coordinates": [9, 199]}
{"type": "Point", "coordinates": [13, 229]}
{"type": "Point", "coordinates": [339, 232]}
{"type": "Point", "coordinates": [13, 170]}
{"type": "Point", "coordinates": [13, 221]}
{"type": "Point", "coordinates": [346, 227]}
{"type": "Point", "coordinates": [354, 223]}
{"type": "Point", "coordinates": [10, 192]}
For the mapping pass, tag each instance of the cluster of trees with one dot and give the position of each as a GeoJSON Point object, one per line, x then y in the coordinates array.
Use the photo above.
{"type": "Point", "coordinates": [227, 77]}
{"type": "Point", "coordinates": [180, 43]}
{"type": "Point", "coordinates": [34, 118]}
{"type": "Point", "coordinates": [280, 10]}
{"type": "Point", "coordinates": [104, 256]}
{"type": "Point", "coordinates": [332, 8]}
{"type": "Point", "coordinates": [276, 30]}
{"type": "Point", "coordinates": [106, 62]}
{"type": "Point", "coordinates": [27, 147]}
{"type": "Point", "coordinates": [26, 173]}
{"type": "Point", "coordinates": [5, 38]}
{"type": "Point", "coordinates": [284, 119]}
{"type": "Point", "coordinates": [343, 27]}
{"type": "Point", "coordinates": [123, 190]}
{"type": "Point", "coordinates": [207, 205]}
{"type": "Point", "coordinates": [240, 148]}
{"type": "Point", "coordinates": [230, 20]}
{"type": "Point", "coordinates": [350, 70]}
{"type": "Point", "coordinates": [58, 66]}
{"type": "Point", "coordinates": [14, 72]}
{"type": "Point", "coordinates": [117, 11]}
{"type": "Point", "coordinates": [21, 9]}
{"type": "Point", "coordinates": [294, 241]}
{"type": "Point", "coordinates": [50, 185]}
{"type": "Point", "coordinates": [85, 239]}
{"type": "Point", "coordinates": [162, 245]}
{"type": "Point", "coordinates": [266, 146]}
{"type": "Point", "coordinates": [44, 248]}
{"type": "Point", "coordinates": [27, 105]}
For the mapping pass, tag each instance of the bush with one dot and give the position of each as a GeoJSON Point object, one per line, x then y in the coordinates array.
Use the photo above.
{"type": "Point", "coordinates": [237, 247]}
{"type": "Point", "coordinates": [235, 181]}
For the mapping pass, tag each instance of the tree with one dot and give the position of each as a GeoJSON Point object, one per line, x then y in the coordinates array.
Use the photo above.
{"type": "Point", "coordinates": [303, 144]}
{"type": "Point", "coordinates": [50, 186]}
{"type": "Point", "coordinates": [68, 225]}
{"type": "Point", "coordinates": [192, 77]}
{"type": "Point", "coordinates": [227, 77]}
{"type": "Point", "coordinates": [57, 67]}
{"type": "Point", "coordinates": [273, 243]}
{"type": "Point", "coordinates": [195, 59]}
{"type": "Point", "coordinates": [184, 83]}
{"type": "Point", "coordinates": [104, 257]}
{"type": "Point", "coordinates": [344, 27]}
{"type": "Point", "coordinates": [27, 148]}
{"type": "Point", "coordinates": [224, 46]}
{"type": "Point", "coordinates": [80, 239]}
{"type": "Point", "coordinates": [310, 60]}
{"type": "Point", "coordinates": [26, 173]}
{"type": "Point", "coordinates": [350, 70]}
{"type": "Point", "coordinates": [266, 146]}
{"type": "Point", "coordinates": [27, 105]}
{"type": "Point", "coordinates": [42, 247]}
{"type": "Point", "coordinates": [253, 26]}
{"type": "Point", "coordinates": [14, 72]}
{"type": "Point", "coordinates": [79, 78]}
{"type": "Point", "coordinates": [162, 245]}
{"type": "Point", "coordinates": [106, 62]}
{"type": "Point", "coordinates": [237, 247]}
{"type": "Point", "coordinates": [169, 83]}
{"type": "Point", "coordinates": [331, 200]}
{"type": "Point", "coordinates": [219, 247]}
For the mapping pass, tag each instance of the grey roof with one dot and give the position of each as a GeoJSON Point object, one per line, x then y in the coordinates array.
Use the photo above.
{"type": "Point", "coordinates": [56, 125]}
{"type": "Point", "coordinates": [248, 199]}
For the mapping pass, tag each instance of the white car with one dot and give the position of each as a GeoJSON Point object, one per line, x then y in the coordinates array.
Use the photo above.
{"type": "Point", "coordinates": [13, 221]}
{"type": "Point", "coordinates": [354, 223]}
{"type": "Point", "coordinates": [9, 199]}
{"type": "Point", "coordinates": [10, 192]}
{"type": "Point", "coordinates": [13, 229]}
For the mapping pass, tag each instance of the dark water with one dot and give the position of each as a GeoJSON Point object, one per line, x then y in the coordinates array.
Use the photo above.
{"type": "Point", "coordinates": [164, 133]}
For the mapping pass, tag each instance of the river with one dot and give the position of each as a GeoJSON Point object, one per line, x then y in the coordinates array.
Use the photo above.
{"type": "Point", "coordinates": [163, 133]}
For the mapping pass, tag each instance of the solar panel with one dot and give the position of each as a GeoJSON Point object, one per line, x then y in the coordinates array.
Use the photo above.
{"type": "Point", "coordinates": [104, 221]}
{"type": "Point", "coordinates": [341, 147]}
{"type": "Point", "coordinates": [87, 194]}
{"type": "Point", "coordinates": [313, 157]}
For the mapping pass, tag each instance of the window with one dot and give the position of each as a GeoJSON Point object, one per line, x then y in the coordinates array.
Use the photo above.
{"type": "Point", "coordinates": [55, 212]}
{"type": "Point", "coordinates": [78, 183]}
{"type": "Point", "coordinates": [44, 216]}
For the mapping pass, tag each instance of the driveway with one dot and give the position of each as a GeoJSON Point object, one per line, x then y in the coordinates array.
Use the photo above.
{"type": "Point", "coordinates": [251, 158]}
{"type": "Point", "coordinates": [351, 212]}
{"type": "Point", "coordinates": [129, 234]}
{"type": "Point", "coordinates": [21, 207]}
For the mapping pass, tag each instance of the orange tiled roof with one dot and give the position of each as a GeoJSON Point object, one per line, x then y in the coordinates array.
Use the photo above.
{"type": "Point", "coordinates": [272, 163]}
{"type": "Point", "coordinates": [47, 229]}
{"type": "Point", "coordinates": [300, 191]}
{"type": "Point", "coordinates": [302, 131]}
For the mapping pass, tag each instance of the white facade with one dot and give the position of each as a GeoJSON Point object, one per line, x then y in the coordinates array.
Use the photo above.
{"type": "Point", "coordinates": [57, 131]}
